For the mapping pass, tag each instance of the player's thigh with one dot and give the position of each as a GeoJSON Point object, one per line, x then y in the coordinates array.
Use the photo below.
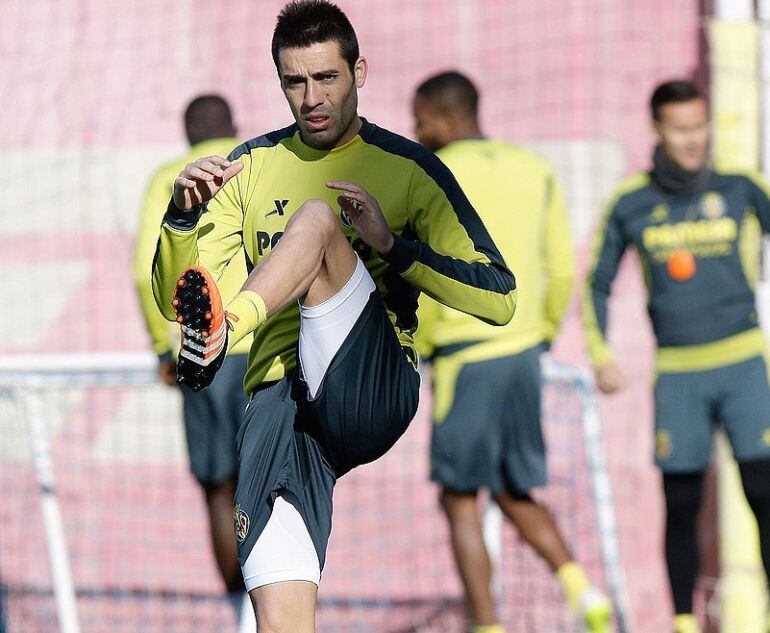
{"type": "Point", "coordinates": [683, 421]}
{"type": "Point", "coordinates": [338, 257]}
{"type": "Point", "coordinates": [284, 551]}
{"type": "Point", "coordinates": [524, 459]}
{"type": "Point", "coordinates": [325, 328]}
{"type": "Point", "coordinates": [466, 436]}
{"type": "Point", "coordinates": [285, 607]}
{"type": "Point", "coordinates": [368, 394]}
{"type": "Point", "coordinates": [744, 409]}
{"type": "Point", "coordinates": [276, 458]}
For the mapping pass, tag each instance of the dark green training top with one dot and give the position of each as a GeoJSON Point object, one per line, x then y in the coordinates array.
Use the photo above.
{"type": "Point", "coordinates": [709, 319]}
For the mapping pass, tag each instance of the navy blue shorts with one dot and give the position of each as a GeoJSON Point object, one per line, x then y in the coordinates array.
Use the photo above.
{"type": "Point", "coordinates": [689, 405]}
{"type": "Point", "coordinates": [212, 418]}
{"type": "Point", "coordinates": [491, 436]}
{"type": "Point", "coordinates": [295, 447]}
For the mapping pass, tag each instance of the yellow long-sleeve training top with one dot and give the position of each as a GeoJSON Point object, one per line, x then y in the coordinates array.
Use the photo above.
{"type": "Point", "coordinates": [520, 202]}
{"type": "Point", "coordinates": [441, 246]}
{"type": "Point", "coordinates": [165, 336]}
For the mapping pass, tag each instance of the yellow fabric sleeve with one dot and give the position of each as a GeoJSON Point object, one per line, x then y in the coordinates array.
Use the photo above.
{"type": "Point", "coordinates": [153, 205]}
{"type": "Point", "coordinates": [428, 314]}
{"type": "Point", "coordinates": [455, 260]}
{"type": "Point", "coordinates": [559, 262]}
{"type": "Point", "coordinates": [211, 243]}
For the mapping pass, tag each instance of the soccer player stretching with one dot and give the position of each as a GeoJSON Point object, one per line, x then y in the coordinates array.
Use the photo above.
{"type": "Point", "coordinates": [343, 223]}
{"type": "Point", "coordinates": [692, 227]}
{"type": "Point", "coordinates": [212, 417]}
{"type": "Point", "coordinates": [487, 380]}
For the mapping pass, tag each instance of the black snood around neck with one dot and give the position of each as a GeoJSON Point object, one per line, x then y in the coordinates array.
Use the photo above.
{"type": "Point", "coordinates": [675, 180]}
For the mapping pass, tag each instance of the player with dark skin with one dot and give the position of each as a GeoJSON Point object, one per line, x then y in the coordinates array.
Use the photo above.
{"type": "Point", "coordinates": [445, 113]}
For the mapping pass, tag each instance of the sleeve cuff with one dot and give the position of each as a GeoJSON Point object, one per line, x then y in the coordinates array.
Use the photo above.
{"type": "Point", "coordinates": [165, 357]}
{"type": "Point", "coordinates": [402, 254]}
{"type": "Point", "coordinates": [183, 220]}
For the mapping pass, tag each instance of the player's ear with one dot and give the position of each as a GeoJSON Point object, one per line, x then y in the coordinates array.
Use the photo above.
{"type": "Point", "coordinates": [360, 69]}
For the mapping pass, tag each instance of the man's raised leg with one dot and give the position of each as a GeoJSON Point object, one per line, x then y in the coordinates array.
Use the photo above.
{"type": "Point", "coordinates": [536, 526]}
{"type": "Point", "coordinates": [311, 262]}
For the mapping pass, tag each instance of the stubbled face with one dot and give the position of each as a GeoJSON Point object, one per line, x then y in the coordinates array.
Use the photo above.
{"type": "Point", "coordinates": [683, 132]}
{"type": "Point", "coordinates": [322, 92]}
{"type": "Point", "coordinates": [431, 126]}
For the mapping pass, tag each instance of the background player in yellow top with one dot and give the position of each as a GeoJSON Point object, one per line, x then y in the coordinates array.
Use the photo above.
{"type": "Point", "coordinates": [695, 230]}
{"type": "Point", "coordinates": [344, 224]}
{"type": "Point", "coordinates": [487, 380]}
{"type": "Point", "coordinates": [211, 417]}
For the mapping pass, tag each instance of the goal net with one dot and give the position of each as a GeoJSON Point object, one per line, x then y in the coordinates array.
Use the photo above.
{"type": "Point", "coordinates": [127, 549]}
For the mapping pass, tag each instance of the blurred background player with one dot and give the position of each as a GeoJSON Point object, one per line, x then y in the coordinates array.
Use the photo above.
{"type": "Point", "coordinates": [695, 230]}
{"type": "Point", "coordinates": [487, 380]}
{"type": "Point", "coordinates": [211, 417]}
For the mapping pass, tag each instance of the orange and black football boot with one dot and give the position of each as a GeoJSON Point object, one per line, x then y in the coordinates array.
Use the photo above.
{"type": "Point", "coordinates": [199, 311]}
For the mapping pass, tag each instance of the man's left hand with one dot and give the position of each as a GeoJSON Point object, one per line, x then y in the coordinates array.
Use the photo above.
{"type": "Point", "coordinates": [365, 215]}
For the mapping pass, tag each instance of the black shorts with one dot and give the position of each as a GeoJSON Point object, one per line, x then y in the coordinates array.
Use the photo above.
{"type": "Point", "coordinates": [491, 435]}
{"type": "Point", "coordinates": [296, 447]}
{"type": "Point", "coordinates": [212, 418]}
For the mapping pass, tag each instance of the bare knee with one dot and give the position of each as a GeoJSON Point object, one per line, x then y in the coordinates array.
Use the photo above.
{"type": "Point", "coordinates": [317, 215]}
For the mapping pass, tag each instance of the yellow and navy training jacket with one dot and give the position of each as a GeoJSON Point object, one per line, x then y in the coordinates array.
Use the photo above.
{"type": "Point", "coordinates": [709, 320]}
{"type": "Point", "coordinates": [441, 246]}
{"type": "Point", "coordinates": [163, 335]}
{"type": "Point", "coordinates": [520, 202]}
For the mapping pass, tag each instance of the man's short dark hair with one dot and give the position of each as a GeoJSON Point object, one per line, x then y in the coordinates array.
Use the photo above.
{"type": "Point", "coordinates": [305, 22]}
{"type": "Point", "coordinates": [207, 117]}
{"type": "Point", "coordinates": [451, 91]}
{"type": "Point", "coordinates": [208, 107]}
{"type": "Point", "coordinates": [672, 92]}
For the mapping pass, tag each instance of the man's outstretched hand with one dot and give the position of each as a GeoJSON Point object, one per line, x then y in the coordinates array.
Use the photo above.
{"type": "Point", "coordinates": [200, 181]}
